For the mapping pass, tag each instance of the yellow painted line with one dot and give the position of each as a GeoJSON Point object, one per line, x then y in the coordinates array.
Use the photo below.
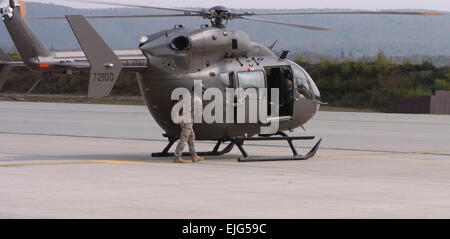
{"type": "Point", "coordinates": [114, 161]}
{"type": "Point", "coordinates": [42, 164]}
{"type": "Point", "coordinates": [255, 152]}
{"type": "Point", "coordinates": [430, 152]}
{"type": "Point", "coordinates": [67, 163]}
{"type": "Point", "coordinates": [417, 160]}
{"type": "Point", "coordinates": [381, 154]}
{"type": "Point", "coordinates": [168, 160]}
{"type": "Point", "coordinates": [91, 142]}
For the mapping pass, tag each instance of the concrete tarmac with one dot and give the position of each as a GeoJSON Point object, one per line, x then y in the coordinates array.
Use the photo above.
{"type": "Point", "coordinates": [92, 161]}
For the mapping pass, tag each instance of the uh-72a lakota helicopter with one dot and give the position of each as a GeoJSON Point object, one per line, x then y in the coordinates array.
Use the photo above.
{"type": "Point", "coordinates": [220, 57]}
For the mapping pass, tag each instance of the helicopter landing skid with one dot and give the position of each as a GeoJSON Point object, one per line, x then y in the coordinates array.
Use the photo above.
{"type": "Point", "coordinates": [239, 142]}
{"type": "Point", "coordinates": [214, 152]}
{"type": "Point", "coordinates": [246, 158]}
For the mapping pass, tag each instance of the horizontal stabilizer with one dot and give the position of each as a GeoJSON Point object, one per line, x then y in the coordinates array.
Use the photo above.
{"type": "Point", "coordinates": [5, 69]}
{"type": "Point", "coordinates": [105, 65]}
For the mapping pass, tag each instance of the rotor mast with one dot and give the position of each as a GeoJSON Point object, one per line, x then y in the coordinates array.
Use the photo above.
{"type": "Point", "coordinates": [218, 15]}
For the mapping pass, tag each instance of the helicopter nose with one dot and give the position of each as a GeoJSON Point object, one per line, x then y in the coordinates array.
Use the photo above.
{"type": "Point", "coordinates": [143, 41]}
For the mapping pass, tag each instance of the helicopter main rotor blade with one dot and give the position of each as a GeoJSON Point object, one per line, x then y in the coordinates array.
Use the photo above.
{"type": "Point", "coordinates": [124, 16]}
{"type": "Point", "coordinates": [133, 5]}
{"type": "Point", "coordinates": [346, 13]}
{"type": "Point", "coordinates": [285, 24]}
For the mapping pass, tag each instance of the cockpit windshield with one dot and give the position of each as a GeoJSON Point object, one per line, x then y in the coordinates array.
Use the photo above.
{"type": "Point", "coordinates": [303, 88]}
{"type": "Point", "coordinates": [306, 88]}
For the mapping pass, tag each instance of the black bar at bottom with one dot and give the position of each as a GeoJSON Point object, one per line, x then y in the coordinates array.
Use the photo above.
{"type": "Point", "coordinates": [230, 228]}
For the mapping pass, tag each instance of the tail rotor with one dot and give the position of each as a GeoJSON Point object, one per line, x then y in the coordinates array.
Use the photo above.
{"type": "Point", "coordinates": [8, 11]}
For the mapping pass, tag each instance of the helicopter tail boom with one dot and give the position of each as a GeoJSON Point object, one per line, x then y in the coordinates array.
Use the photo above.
{"type": "Point", "coordinates": [105, 65]}
{"type": "Point", "coordinates": [30, 48]}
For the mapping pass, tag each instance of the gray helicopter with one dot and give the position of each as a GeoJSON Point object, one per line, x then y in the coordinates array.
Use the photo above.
{"type": "Point", "coordinates": [219, 57]}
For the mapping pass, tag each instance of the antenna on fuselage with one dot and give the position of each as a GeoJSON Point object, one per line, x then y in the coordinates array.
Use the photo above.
{"type": "Point", "coordinates": [284, 55]}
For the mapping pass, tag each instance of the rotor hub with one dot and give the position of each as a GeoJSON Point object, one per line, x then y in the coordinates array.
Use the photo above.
{"type": "Point", "coordinates": [8, 11]}
{"type": "Point", "coordinates": [217, 15]}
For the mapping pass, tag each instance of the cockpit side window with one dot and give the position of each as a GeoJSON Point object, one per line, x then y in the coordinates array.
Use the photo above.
{"type": "Point", "coordinates": [251, 79]}
{"type": "Point", "coordinates": [306, 88]}
{"type": "Point", "coordinates": [313, 86]}
{"type": "Point", "coordinates": [303, 90]}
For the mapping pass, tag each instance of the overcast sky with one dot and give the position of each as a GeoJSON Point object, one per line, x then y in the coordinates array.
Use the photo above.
{"type": "Point", "coordinates": [442, 5]}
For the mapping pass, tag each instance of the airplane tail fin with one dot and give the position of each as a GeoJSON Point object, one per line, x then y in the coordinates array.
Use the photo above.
{"type": "Point", "coordinates": [30, 48]}
{"type": "Point", "coordinates": [105, 65]}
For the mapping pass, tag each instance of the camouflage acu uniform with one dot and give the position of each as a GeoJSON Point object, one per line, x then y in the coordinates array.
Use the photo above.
{"type": "Point", "coordinates": [187, 135]}
{"type": "Point", "coordinates": [187, 132]}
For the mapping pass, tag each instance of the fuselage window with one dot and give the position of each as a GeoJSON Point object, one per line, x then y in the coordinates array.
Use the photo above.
{"type": "Point", "coordinates": [251, 79]}
{"type": "Point", "coordinates": [234, 44]}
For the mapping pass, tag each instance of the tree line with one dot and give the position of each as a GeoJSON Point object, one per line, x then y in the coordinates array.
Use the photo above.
{"type": "Point", "coordinates": [355, 84]}
{"type": "Point", "coordinates": [370, 84]}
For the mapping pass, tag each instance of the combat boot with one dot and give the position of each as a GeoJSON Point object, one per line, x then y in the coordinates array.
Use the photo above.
{"type": "Point", "coordinates": [197, 158]}
{"type": "Point", "coordinates": [179, 160]}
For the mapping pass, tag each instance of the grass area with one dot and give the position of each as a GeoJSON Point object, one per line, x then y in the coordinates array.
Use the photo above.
{"type": "Point", "coordinates": [122, 100]}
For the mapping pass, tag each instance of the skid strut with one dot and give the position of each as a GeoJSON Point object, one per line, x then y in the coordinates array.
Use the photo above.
{"type": "Point", "coordinates": [239, 142]}
{"type": "Point", "coordinates": [214, 152]}
{"type": "Point", "coordinates": [28, 92]}
{"type": "Point", "coordinates": [282, 136]}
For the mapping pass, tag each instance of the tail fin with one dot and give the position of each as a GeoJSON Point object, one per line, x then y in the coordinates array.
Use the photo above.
{"type": "Point", "coordinates": [4, 68]}
{"type": "Point", "coordinates": [105, 65]}
{"type": "Point", "coordinates": [27, 43]}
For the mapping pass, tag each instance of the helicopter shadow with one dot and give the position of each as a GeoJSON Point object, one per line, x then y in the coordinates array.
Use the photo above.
{"type": "Point", "coordinates": [109, 157]}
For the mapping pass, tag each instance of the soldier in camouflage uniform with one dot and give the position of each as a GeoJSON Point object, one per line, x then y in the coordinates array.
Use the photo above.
{"type": "Point", "coordinates": [187, 135]}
